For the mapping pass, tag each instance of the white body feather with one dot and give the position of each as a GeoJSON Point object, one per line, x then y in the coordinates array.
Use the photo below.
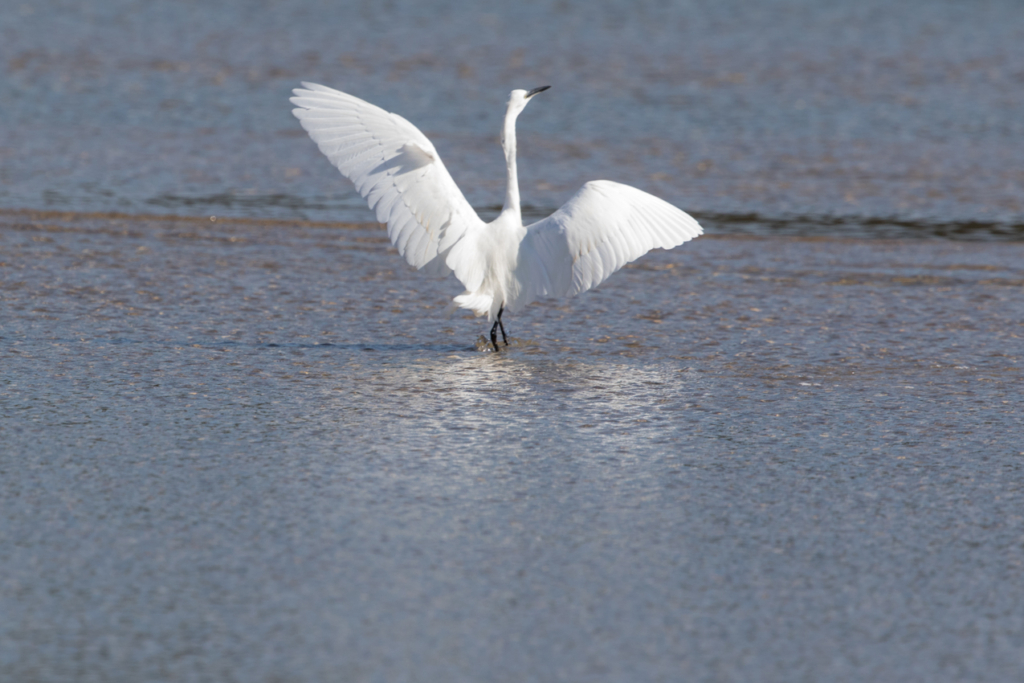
{"type": "Point", "coordinates": [396, 169]}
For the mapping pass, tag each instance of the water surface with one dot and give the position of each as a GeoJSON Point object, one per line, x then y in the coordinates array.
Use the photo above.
{"type": "Point", "coordinates": [258, 451]}
{"type": "Point", "coordinates": [793, 117]}
{"type": "Point", "coordinates": [240, 440]}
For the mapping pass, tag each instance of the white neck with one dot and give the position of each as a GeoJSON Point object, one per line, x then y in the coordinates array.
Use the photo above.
{"type": "Point", "coordinates": [508, 144]}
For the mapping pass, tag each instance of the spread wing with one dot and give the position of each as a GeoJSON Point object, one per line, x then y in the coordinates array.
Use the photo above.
{"type": "Point", "coordinates": [601, 228]}
{"type": "Point", "coordinates": [394, 167]}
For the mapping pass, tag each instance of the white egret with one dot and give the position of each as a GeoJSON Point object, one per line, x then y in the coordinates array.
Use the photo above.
{"type": "Point", "coordinates": [502, 264]}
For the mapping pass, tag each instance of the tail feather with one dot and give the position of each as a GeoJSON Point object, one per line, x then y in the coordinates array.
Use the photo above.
{"type": "Point", "coordinates": [479, 303]}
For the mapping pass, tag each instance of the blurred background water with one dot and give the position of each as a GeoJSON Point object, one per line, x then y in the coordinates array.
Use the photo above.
{"type": "Point", "coordinates": [240, 441]}
{"type": "Point", "coordinates": [786, 116]}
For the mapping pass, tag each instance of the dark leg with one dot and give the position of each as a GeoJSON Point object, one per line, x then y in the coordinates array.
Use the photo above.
{"type": "Point", "coordinates": [494, 336]}
{"type": "Point", "coordinates": [502, 327]}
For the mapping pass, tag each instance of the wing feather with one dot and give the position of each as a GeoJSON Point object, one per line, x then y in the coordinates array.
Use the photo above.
{"type": "Point", "coordinates": [601, 228]}
{"type": "Point", "coordinates": [394, 167]}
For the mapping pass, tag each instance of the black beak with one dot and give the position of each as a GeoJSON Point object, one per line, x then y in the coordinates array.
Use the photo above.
{"type": "Point", "coordinates": [537, 90]}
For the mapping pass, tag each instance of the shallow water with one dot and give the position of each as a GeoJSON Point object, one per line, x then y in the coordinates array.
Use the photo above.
{"type": "Point", "coordinates": [258, 451]}
{"type": "Point", "coordinates": [798, 117]}
{"type": "Point", "coordinates": [242, 441]}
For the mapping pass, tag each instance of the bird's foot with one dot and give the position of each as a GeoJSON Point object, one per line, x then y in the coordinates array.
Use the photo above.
{"type": "Point", "coordinates": [494, 337]}
{"type": "Point", "coordinates": [501, 326]}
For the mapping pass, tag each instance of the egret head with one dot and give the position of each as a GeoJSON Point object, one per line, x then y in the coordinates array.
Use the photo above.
{"type": "Point", "coordinates": [518, 99]}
